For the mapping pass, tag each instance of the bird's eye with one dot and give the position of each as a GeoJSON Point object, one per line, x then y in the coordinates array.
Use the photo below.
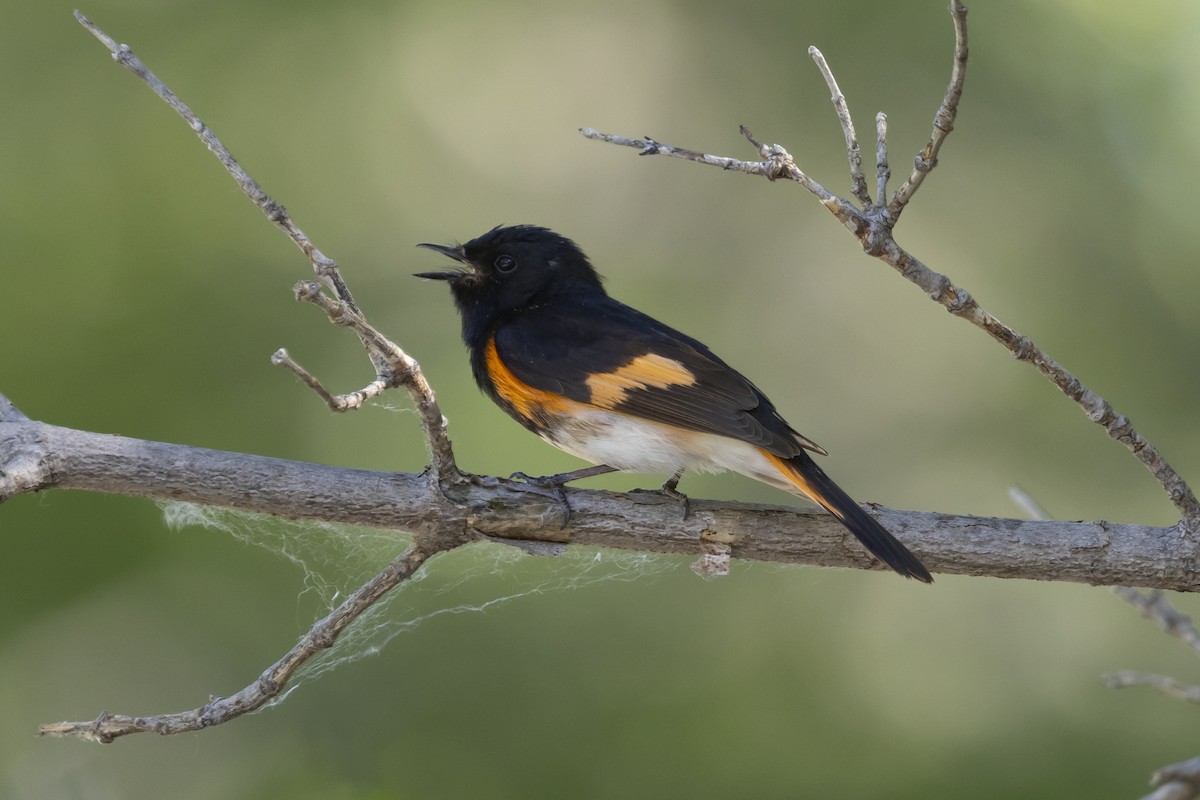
{"type": "Point", "coordinates": [506, 264]}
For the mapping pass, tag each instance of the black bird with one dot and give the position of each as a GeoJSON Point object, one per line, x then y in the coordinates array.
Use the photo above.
{"type": "Point", "coordinates": [620, 389]}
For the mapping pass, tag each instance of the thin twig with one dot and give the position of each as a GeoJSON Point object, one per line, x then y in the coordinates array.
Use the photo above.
{"type": "Point", "coordinates": [873, 228]}
{"type": "Point", "coordinates": [325, 267]}
{"type": "Point", "coordinates": [1155, 606]}
{"type": "Point", "coordinates": [1163, 683]}
{"type": "Point", "coordinates": [339, 402]}
{"type": "Point", "coordinates": [393, 366]}
{"type": "Point", "coordinates": [1182, 780]}
{"type": "Point", "coordinates": [882, 171]}
{"type": "Point", "coordinates": [36, 456]}
{"type": "Point", "coordinates": [943, 120]}
{"type": "Point", "coordinates": [858, 181]}
{"type": "Point", "coordinates": [1179, 781]}
{"type": "Point", "coordinates": [650, 147]}
{"type": "Point", "coordinates": [1024, 500]}
{"type": "Point", "coordinates": [269, 685]}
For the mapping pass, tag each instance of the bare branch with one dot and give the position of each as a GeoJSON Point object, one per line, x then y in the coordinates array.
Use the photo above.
{"type": "Point", "coordinates": [1026, 503]}
{"type": "Point", "coordinates": [1180, 781]}
{"type": "Point", "coordinates": [943, 120]}
{"type": "Point", "coordinates": [649, 147]}
{"type": "Point", "coordinates": [393, 366]}
{"type": "Point", "coordinates": [1155, 606]}
{"type": "Point", "coordinates": [1163, 683]}
{"type": "Point", "coordinates": [48, 456]}
{"type": "Point", "coordinates": [872, 225]}
{"type": "Point", "coordinates": [858, 181]}
{"type": "Point", "coordinates": [882, 171]}
{"type": "Point", "coordinates": [324, 266]}
{"type": "Point", "coordinates": [340, 402]}
{"type": "Point", "coordinates": [269, 685]}
{"type": "Point", "coordinates": [403, 370]}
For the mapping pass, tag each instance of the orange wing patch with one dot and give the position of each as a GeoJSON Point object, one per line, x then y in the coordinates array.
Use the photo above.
{"type": "Point", "coordinates": [609, 389]}
{"type": "Point", "coordinates": [528, 401]}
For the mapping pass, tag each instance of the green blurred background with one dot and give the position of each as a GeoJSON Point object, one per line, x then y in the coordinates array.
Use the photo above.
{"type": "Point", "coordinates": [144, 295]}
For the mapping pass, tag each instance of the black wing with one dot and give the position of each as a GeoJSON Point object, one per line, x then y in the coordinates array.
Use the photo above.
{"type": "Point", "coordinates": [604, 353]}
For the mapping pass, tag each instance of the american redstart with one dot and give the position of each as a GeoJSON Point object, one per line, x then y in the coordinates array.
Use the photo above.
{"type": "Point", "coordinates": [620, 389]}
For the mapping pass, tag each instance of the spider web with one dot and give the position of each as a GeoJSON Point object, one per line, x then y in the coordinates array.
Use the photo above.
{"type": "Point", "coordinates": [337, 559]}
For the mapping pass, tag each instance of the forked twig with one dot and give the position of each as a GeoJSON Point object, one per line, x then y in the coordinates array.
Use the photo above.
{"type": "Point", "coordinates": [1155, 606]}
{"type": "Point", "coordinates": [1179, 781]}
{"type": "Point", "coordinates": [393, 366]}
{"type": "Point", "coordinates": [269, 685]}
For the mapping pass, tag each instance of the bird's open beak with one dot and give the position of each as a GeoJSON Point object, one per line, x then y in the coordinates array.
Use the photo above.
{"type": "Point", "coordinates": [456, 253]}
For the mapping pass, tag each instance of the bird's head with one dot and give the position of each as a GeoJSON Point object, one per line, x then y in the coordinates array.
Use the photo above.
{"type": "Point", "coordinates": [507, 269]}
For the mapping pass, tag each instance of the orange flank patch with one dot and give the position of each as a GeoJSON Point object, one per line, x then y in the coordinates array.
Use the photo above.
{"type": "Point", "coordinates": [609, 389]}
{"type": "Point", "coordinates": [801, 483]}
{"type": "Point", "coordinates": [528, 401]}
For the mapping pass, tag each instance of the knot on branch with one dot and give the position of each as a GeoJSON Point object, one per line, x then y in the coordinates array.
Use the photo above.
{"type": "Point", "coordinates": [305, 291]}
{"type": "Point", "coordinates": [1097, 408]}
{"type": "Point", "coordinates": [650, 148]}
{"type": "Point", "coordinates": [339, 313]}
{"type": "Point", "coordinates": [944, 121]}
{"type": "Point", "coordinates": [275, 212]}
{"type": "Point", "coordinates": [323, 265]}
{"type": "Point", "coordinates": [961, 302]}
{"type": "Point", "coordinates": [1121, 429]}
{"type": "Point", "coordinates": [124, 56]}
{"type": "Point", "coordinates": [777, 161]}
{"type": "Point", "coordinates": [1023, 348]}
{"type": "Point", "coordinates": [925, 160]}
{"type": "Point", "coordinates": [1185, 775]}
{"type": "Point", "coordinates": [877, 236]}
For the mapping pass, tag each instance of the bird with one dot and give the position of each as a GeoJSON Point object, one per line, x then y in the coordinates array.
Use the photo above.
{"type": "Point", "coordinates": [620, 389]}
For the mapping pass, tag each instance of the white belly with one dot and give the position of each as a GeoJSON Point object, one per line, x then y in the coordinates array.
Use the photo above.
{"type": "Point", "coordinates": [638, 445]}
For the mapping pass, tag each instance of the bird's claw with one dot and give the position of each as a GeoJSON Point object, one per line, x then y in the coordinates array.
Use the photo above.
{"type": "Point", "coordinates": [550, 486]}
{"type": "Point", "coordinates": [670, 491]}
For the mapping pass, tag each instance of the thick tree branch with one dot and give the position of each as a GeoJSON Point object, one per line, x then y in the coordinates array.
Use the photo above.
{"type": "Point", "coordinates": [36, 456]}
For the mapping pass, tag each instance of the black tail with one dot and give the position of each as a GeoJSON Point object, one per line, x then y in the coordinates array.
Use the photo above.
{"type": "Point", "coordinates": [803, 473]}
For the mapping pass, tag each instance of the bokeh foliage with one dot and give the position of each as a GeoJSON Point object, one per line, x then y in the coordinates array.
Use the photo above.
{"type": "Point", "coordinates": [143, 296]}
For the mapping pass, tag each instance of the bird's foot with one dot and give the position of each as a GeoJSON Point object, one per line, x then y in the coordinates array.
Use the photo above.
{"type": "Point", "coordinates": [552, 485]}
{"type": "Point", "coordinates": [669, 489]}
{"type": "Point", "coordinates": [520, 482]}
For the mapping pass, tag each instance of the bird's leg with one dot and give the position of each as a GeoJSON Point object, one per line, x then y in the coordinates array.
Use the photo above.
{"type": "Point", "coordinates": [670, 490]}
{"type": "Point", "coordinates": [557, 481]}
{"type": "Point", "coordinates": [551, 485]}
